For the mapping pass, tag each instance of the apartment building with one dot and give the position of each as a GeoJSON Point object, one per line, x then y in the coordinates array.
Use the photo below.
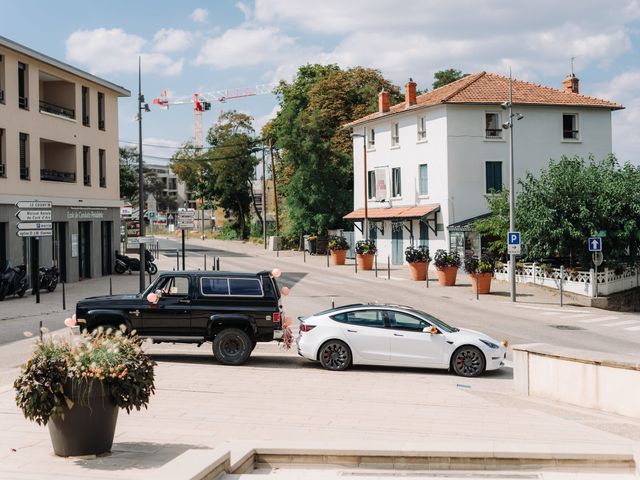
{"type": "Point", "coordinates": [59, 143]}
{"type": "Point", "coordinates": [433, 158]}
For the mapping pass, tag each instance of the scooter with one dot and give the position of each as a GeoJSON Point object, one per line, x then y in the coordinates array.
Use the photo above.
{"type": "Point", "coordinates": [13, 280]}
{"type": "Point", "coordinates": [125, 263]}
{"type": "Point", "coordinates": [48, 278]}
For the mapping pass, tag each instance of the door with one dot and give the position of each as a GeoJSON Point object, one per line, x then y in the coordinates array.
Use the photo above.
{"type": "Point", "coordinates": [424, 234]}
{"type": "Point", "coordinates": [59, 249]}
{"type": "Point", "coordinates": [107, 247]}
{"type": "Point", "coordinates": [366, 335]}
{"type": "Point", "coordinates": [410, 346]}
{"type": "Point", "coordinates": [397, 251]}
{"type": "Point", "coordinates": [84, 250]}
{"type": "Point", "coordinates": [171, 316]}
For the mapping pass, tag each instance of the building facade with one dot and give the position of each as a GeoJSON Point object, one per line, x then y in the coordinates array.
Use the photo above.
{"type": "Point", "coordinates": [59, 143]}
{"type": "Point", "coordinates": [432, 159]}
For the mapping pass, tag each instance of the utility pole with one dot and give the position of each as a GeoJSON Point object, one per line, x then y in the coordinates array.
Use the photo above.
{"type": "Point", "coordinates": [512, 194]}
{"type": "Point", "coordinates": [141, 177]}
{"type": "Point", "coordinates": [264, 200]}
{"type": "Point", "coordinates": [275, 190]}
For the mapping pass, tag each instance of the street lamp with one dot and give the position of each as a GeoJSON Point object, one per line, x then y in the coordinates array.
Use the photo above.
{"type": "Point", "coordinates": [142, 107]}
{"type": "Point", "coordinates": [508, 125]}
{"type": "Point", "coordinates": [366, 181]}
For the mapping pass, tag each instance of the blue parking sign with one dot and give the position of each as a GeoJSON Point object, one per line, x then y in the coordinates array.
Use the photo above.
{"type": "Point", "coordinates": [595, 244]}
{"type": "Point", "coordinates": [513, 238]}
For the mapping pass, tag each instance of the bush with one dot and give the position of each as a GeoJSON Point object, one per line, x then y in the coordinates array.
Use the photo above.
{"type": "Point", "coordinates": [366, 247]}
{"type": "Point", "coordinates": [483, 265]}
{"type": "Point", "coordinates": [337, 243]}
{"type": "Point", "coordinates": [445, 259]}
{"type": "Point", "coordinates": [417, 254]}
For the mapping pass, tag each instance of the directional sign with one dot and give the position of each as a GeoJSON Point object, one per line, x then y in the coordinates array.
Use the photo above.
{"type": "Point", "coordinates": [34, 204]}
{"type": "Point", "coordinates": [35, 226]}
{"type": "Point", "coordinates": [34, 233]}
{"type": "Point", "coordinates": [151, 214]}
{"type": "Point", "coordinates": [34, 215]}
{"type": "Point", "coordinates": [186, 224]}
{"type": "Point", "coordinates": [595, 244]}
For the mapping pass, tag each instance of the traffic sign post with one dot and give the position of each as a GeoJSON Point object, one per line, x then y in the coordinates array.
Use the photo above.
{"type": "Point", "coordinates": [595, 246]}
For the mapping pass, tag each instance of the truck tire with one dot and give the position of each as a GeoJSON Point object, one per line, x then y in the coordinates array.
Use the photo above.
{"type": "Point", "coordinates": [232, 346]}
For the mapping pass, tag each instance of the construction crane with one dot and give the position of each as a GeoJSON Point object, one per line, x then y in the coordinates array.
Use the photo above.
{"type": "Point", "coordinates": [202, 103]}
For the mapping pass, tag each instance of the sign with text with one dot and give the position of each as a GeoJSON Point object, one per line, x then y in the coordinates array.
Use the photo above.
{"type": "Point", "coordinates": [513, 243]}
{"type": "Point", "coordinates": [33, 204]}
{"type": "Point", "coordinates": [33, 215]}
{"type": "Point", "coordinates": [34, 233]}
{"type": "Point", "coordinates": [35, 226]}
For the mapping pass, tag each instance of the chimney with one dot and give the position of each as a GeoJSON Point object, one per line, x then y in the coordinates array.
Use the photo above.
{"type": "Point", "coordinates": [570, 84]}
{"type": "Point", "coordinates": [383, 101]}
{"type": "Point", "coordinates": [410, 93]}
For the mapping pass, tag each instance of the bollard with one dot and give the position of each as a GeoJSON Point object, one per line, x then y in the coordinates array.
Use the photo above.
{"type": "Point", "coordinates": [561, 285]}
{"type": "Point", "coordinates": [304, 255]}
{"type": "Point", "coordinates": [218, 263]}
{"type": "Point", "coordinates": [477, 286]}
{"type": "Point", "coordinates": [110, 286]}
{"type": "Point", "coordinates": [426, 277]}
{"type": "Point", "coordinates": [205, 262]}
{"type": "Point", "coordinates": [375, 261]}
{"type": "Point", "coordinates": [177, 260]}
{"type": "Point", "coordinates": [355, 262]}
{"type": "Point", "coordinates": [64, 298]}
{"type": "Point", "coordinates": [327, 258]}
{"type": "Point", "coordinates": [388, 268]}
{"type": "Point", "coordinates": [40, 330]}
{"type": "Point", "coordinates": [333, 303]}
{"type": "Point", "coordinates": [150, 278]}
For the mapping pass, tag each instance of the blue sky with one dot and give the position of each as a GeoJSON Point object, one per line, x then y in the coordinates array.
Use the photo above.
{"type": "Point", "coordinates": [200, 46]}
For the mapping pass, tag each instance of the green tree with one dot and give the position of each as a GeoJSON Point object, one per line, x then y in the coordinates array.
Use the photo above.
{"type": "Point", "coordinates": [494, 228]}
{"type": "Point", "coordinates": [315, 171]}
{"type": "Point", "coordinates": [445, 77]}
{"type": "Point", "coordinates": [128, 174]}
{"type": "Point", "coordinates": [573, 199]}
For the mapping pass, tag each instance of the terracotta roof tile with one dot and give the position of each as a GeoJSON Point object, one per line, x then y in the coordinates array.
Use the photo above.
{"type": "Point", "coordinates": [489, 88]}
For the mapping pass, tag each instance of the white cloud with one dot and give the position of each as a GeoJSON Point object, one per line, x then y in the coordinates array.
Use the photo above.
{"type": "Point", "coordinates": [170, 40]}
{"type": "Point", "coordinates": [262, 120]}
{"type": "Point", "coordinates": [245, 9]}
{"type": "Point", "coordinates": [113, 51]}
{"type": "Point", "coordinates": [199, 15]}
{"type": "Point", "coordinates": [245, 46]}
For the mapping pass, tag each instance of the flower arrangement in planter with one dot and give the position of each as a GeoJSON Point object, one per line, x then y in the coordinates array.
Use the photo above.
{"type": "Point", "coordinates": [481, 271]}
{"type": "Point", "coordinates": [447, 264]}
{"type": "Point", "coordinates": [418, 260]}
{"type": "Point", "coordinates": [365, 251]}
{"type": "Point", "coordinates": [338, 247]}
{"type": "Point", "coordinates": [76, 385]}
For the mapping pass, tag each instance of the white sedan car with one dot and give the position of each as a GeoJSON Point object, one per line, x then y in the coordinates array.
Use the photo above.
{"type": "Point", "coordinates": [395, 335]}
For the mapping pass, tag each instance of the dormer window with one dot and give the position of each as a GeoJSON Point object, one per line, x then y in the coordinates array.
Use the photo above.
{"type": "Point", "coordinates": [492, 127]}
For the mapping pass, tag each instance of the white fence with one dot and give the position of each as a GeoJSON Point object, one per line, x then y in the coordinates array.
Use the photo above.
{"type": "Point", "coordinates": [580, 282]}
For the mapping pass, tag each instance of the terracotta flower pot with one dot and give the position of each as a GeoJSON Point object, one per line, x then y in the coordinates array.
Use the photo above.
{"type": "Point", "coordinates": [365, 262]}
{"type": "Point", "coordinates": [447, 276]}
{"type": "Point", "coordinates": [338, 257]}
{"type": "Point", "coordinates": [484, 282]}
{"type": "Point", "coordinates": [418, 270]}
{"type": "Point", "coordinates": [89, 426]}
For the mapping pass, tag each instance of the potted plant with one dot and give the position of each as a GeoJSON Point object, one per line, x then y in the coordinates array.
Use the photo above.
{"type": "Point", "coordinates": [338, 247]}
{"type": "Point", "coordinates": [76, 385]}
{"type": "Point", "coordinates": [365, 251]}
{"type": "Point", "coordinates": [418, 260]}
{"type": "Point", "coordinates": [447, 264]}
{"type": "Point", "coordinates": [481, 272]}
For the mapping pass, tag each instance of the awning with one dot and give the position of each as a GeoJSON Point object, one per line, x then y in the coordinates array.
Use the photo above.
{"type": "Point", "coordinates": [466, 225]}
{"type": "Point", "coordinates": [395, 213]}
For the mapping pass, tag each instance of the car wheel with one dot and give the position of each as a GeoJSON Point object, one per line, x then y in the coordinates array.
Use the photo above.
{"type": "Point", "coordinates": [335, 355]}
{"type": "Point", "coordinates": [232, 346]}
{"type": "Point", "coordinates": [119, 268]}
{"type": "Point", "coordinates": [152, 269]}
{"type": "Point", "coordinates": [23, 289]}
{"type": "Point", "coordinates": [468, 361]}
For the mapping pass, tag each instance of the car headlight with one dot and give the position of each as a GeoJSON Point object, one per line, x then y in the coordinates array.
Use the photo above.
{"type": "Point", "coordinates": [489, 344]}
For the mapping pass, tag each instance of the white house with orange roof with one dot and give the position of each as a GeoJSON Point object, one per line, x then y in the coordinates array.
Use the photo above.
{"type": "Point", "coordinates": [432, 159]}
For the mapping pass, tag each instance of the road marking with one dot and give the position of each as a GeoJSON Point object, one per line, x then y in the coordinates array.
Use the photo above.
{"type": "Point", "coordinates": [548, 309]}
{"type": "Point", "coordinates": [632, 329]}
{"type": "Point", "coordinates": [599, 319]}
{"type": "Point", "coordinates": [619, 324]}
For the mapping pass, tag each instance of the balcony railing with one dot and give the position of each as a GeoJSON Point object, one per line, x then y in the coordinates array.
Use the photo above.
{"type": "Point", "coordinates": [85, 120]}
{"type": "Point", "coordinates": [571, 134]}
{"type": "Point", "coordinates": [57, 176]}
{"type": "Point", "coordinates": [23, 102]}
{"type": "Point", "coordinates": [87, 180]}
{"type": "Point", "coordinates": [493, 133]}
{"type": "Point", "coordinates": [103, 181]}
{"type": "Point", "coordinates": [1, 95]}
{"type": "Point", "coordinates": [3, 170]}
{"type": "Point", "coordinates": [24, 173]}
{"type": "Point", "coordinates": [57, 110]}
{"type": "Point", "coordinates": [101, 124]}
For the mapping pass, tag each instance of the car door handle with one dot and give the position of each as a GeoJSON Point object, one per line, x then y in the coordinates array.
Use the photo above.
{"type": "Point", "coordinates": [352, 331]}
{"type": "Point", "coordinates": [184, 300]}
{"type": "Point", "coordinates": [398, 335]}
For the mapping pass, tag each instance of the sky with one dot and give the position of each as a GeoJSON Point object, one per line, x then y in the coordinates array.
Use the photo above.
{"type": "Point", "coordinates": [204, 46]}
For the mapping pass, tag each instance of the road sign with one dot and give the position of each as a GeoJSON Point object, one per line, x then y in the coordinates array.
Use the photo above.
{"type": "Point", "coordinates": [34, 233]}
{"type": "Point", "coordinates": [151, 214]}
{"type": "Point", "coordinates": [186, 223]}
{"type": "Point", "coordinates": [595, 244]}
{"type": "Point", "coordinates": [601, 233]}
{"type": "Point", "coordinates": [33, 215]}
{"type": "Point", "coordinates": [597, 258]}
{"type": "Point", "coordinates": [34, 204]}
{"type": "Point", "coordinates": [146, 239]}
{"type": "Point", "coordinates": [513, 243]}
{"type": "Point", "coordinates": [35, 226]}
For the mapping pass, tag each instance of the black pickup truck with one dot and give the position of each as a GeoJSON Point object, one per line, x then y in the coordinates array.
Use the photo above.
{"type": "Point", "coordinates": [232, 310]}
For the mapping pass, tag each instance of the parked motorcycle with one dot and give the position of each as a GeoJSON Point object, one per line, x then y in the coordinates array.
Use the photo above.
{"type": "Point", "coordinates": [13, 280]}
{"type": "Point", "coordinates": [48, 278]}
{"type": "Point", "coordinates": [125, 263]}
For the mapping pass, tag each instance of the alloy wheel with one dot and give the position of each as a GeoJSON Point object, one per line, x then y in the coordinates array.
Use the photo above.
{"type": "Point", "coordinates": [468, 362]}
{"type": "Point", "coordinates": [335, 356]}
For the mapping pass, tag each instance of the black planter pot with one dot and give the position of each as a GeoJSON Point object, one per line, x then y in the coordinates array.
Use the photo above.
{"type": "Point", "coordinates": [89, 426]}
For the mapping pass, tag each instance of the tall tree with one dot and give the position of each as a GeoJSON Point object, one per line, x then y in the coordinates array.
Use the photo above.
{"type": "Point", "coordinates": [445, 77]}
{"type": "Point", "coordinates": [495, 227]}
{"type": "Point", "coordinates": [316, 165]}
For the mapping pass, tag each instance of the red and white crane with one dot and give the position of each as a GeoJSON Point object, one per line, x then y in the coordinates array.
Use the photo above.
{"type": "Point", "coordinates": [202, 103]}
